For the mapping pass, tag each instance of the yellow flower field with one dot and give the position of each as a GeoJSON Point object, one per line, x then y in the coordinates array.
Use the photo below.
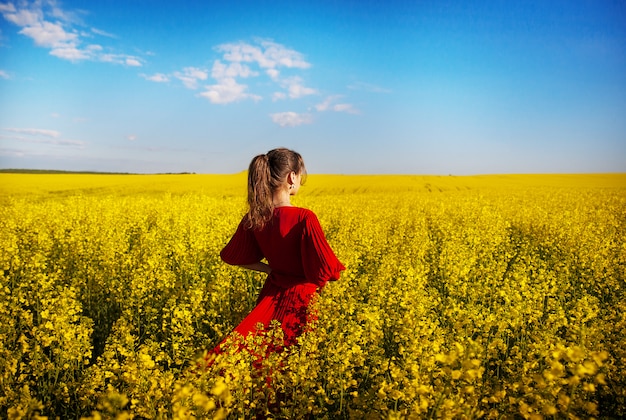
{"type": "Point", "coordinates": [464, 297]}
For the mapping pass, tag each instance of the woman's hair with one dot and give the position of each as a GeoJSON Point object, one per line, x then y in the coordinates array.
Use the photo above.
{"type": "Point", "coordinates": [266, 174]}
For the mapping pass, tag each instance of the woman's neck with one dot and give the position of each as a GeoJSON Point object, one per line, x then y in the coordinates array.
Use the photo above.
{"type": "Point", "coordinates": [281, 198]}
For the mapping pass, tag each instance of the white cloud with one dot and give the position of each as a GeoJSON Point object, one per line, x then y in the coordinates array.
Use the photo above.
{"type": "Point", "coordinates": [227, 91]}
{"type": "Point", "coordinates": [12, 152]}
{"type": "Point", "coordinates": [132, 137]}
{"type": "Point", "coordinates": [4, 75]}
{"type": "Point", "coordinates": [273, 73]}
{"type": "Point", "coordinates": [72, 143]}
{"type": "Point", "coordinates": [278, 96]}
{"type": "Point", "coordinates": [196, 73]}
{"type": "Point", "coordinates": [295, 88]}
{"type": "Point", "coordinates": [349, 108]}
{"type": "Point", "coordinates": [78, 143]}
{"type": "Point", "coordinates": [34, 132]}
{"type": "Point", "coordinates": [41, 136]}
{"type": "Point", "coordinates": [51, 27]}
{"type": "Point", "coordinates": [53, 141]}
{"type": "Point", "coordinates": [132, 62]}
{"type": "Point", "coordinates": [22, 17]}
{"type": "Point", "coordinates": [57, 12]}
{"type": "Point", "coordinates": [158, 77]}
{"type": "Point", "coordinates": [190, 76]}
{"type": "Point", "coordinates": [7, 8]}
{"type": "Point", "coordinates": [221, 71]}
{"type": "Point", "coordinates": [328, 105]}
{"type": "Point", "coordinates": [291, 119]}
{"type": "Point", "coordinates": [268, 55]}
{"type": "Point", "coordinates": [52, 35]}
{"type": "Point", "coordinates": [323, 106]}
{"type": "Point", "coordinates": [102, 33]}
{"type": "Point", "coordinates": [278, 55]}
{"type": "Point", "coordinates": [20, 138]}
{"type": "Point", "coordinates": [123, 59]}
{"type": "Point", "coordinates": [70, 53]}
{"type": "Point", "coordinates": [241, 52]}
{"type": "Point", "coordinates": [243, 60]}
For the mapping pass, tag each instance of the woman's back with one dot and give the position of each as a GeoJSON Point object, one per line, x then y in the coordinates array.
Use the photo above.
{"type": "Point", "coordinates": [293, 244]}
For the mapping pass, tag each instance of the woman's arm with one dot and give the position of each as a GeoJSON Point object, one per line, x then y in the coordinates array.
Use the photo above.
{"type": "Point", "coordinates": [259, 266]}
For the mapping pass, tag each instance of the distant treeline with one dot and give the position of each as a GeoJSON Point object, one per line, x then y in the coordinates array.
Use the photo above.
{"type": "Point", "coordinates": [55, 171]}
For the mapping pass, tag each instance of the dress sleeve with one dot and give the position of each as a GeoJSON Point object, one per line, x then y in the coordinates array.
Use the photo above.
{"type": "Point", "coordinates": [242, 248]}
{"type": "Point", "coordinates": [318, 259]}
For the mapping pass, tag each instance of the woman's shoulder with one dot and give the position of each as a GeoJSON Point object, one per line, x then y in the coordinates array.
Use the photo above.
{"type": "Point", "coordinates": [306, 213]}
{"type": "Point", "coordinates": [301, 213]}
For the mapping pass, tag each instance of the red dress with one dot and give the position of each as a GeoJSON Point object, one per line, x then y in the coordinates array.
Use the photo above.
{"type": "Point", "coordinates": [301, 261]}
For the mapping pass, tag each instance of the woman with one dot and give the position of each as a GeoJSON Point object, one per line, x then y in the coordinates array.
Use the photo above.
{"type": "Point", "coordinates": [290, 239]}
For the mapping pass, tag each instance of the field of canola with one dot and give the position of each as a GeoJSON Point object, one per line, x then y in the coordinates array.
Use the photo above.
{"type": "Point", "coordinates": [464, 297]}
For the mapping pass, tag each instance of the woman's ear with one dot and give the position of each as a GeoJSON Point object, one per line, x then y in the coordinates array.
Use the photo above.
{"type": "Point", "coordinates": [291, 179]}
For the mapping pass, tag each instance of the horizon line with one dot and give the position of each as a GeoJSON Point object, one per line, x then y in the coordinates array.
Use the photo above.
{"type": "Point", "coordinates": [94, 172]}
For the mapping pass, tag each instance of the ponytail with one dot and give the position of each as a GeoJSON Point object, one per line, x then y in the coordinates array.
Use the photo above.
{"type": "Point", "coordinates": [259, 192]}
{"type": "Point", "coordinates": [266, 174]}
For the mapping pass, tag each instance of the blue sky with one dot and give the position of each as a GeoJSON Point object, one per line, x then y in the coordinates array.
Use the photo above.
{"type": "Point", "coordinates": [421, 87]}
